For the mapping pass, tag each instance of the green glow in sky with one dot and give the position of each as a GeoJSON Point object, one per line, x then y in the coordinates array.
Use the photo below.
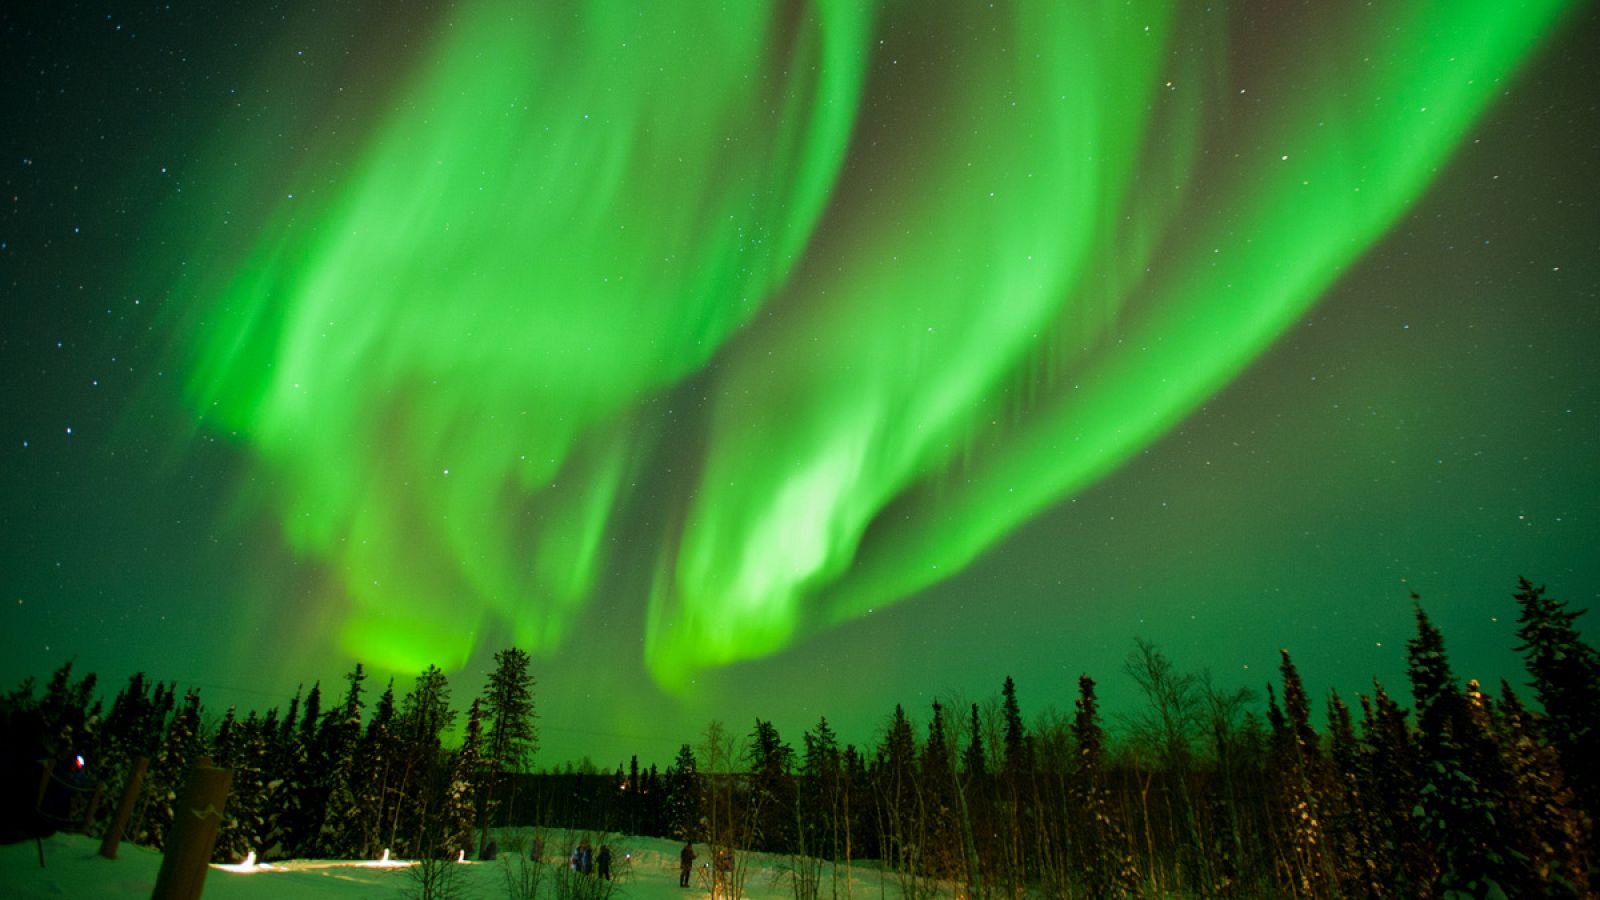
{"type": "Point", "coordinates": [838, 309]}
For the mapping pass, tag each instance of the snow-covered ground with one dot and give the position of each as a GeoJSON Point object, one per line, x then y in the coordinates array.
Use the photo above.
{"type": "Point", "coordinates": [645, 869]}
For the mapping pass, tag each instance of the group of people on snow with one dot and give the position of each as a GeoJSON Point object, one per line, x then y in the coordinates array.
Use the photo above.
{"type": "Point", "coordinates": [586, 862]}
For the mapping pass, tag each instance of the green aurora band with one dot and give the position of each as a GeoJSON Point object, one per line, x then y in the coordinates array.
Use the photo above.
{"type": "Point", "coordinates": [927, 286]}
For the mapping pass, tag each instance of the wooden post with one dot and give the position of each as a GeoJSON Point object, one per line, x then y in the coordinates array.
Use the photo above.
{"type": "Point", "coordinates": [196, 822]}
{"type": "Point", "coordinates": [92, 809]}
{"type": "Point", "coordinates": [130, 794]}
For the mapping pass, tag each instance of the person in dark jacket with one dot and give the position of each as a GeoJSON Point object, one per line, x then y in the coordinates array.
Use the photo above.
{"type": "Point", "coordinates": [583, 858]}
{"type": "Point", "coordinates": [603, 862]}
{"type": "Point", "coordinates": [685, 864]}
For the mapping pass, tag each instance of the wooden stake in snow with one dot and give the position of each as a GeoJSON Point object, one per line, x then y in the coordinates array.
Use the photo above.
{"type": "Point", "coordinates": [130, 793]}
{"type": "Point", "coordinates": [194, 832]}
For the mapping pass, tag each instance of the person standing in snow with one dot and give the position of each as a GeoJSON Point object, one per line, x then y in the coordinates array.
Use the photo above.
{"type": "Point", "coordinates": [583, 858]}
{"type": "Point", "coordinates": [685, 864]}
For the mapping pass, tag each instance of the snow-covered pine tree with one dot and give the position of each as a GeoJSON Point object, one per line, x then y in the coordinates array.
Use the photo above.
{"type": "Point", "coordinates": [224, 750]}
{"type": "Point", "coordinates": [278, 786]}
{"type": "Point", "coordinates": [375, 767]}
{"type": "Point", "coordinates": [1104, 860]}
{"type": "Point", "coordinates": [461, 793]}
{"type": "Point", "coordinates": [1405, 861]}
{"type": "Point", "coordinates": [1461, 813]}
{"type": "Point", "coordinates": [1353, 845]}
{"type": "Point", "coordinates": [244, 750]}
{"type": "Point", "coordinates": [1543, 799]}
{"type": "Point", "coordinates": [184, 742]}
{"type": "Point", "coordinates": [340, 835]}
{"type": "Point", "coordinates": [1566, 681]}
{"type": "Point", "coordinates": [1303, 782]}
{"type": "Point", "coordinates": [132, 729]}
{"type": "Point", "coordinates": [302, 795]}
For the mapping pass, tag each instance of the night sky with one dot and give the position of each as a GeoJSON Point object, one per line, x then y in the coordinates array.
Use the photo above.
{"type": "Point", "coordinates": [793, 361]}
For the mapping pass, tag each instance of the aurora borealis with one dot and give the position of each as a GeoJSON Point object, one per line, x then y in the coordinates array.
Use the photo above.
{"type": "Point", "coordinates": [791, 359]}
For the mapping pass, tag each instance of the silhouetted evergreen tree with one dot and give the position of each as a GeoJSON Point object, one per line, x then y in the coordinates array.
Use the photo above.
{"type": "Point", "coordinates": [510, 737]}
{"type": "Point", "coordinates": [304, 795]}
{"type": "Point", "coordinates": [1566, 681]}
{"type": "Point", "coordinates": [972, 761]}
{"type": "Point", "coordinates": [683, 796]}
{"type": "Point", "coordinates": [1458, 796]}
{"type": "Point", "coordinates": [945, 856]}
{"type": "Point", "coordinates": [894, 781]}
{"type": "Point", "coordinates": [821, 792]}
{"type": "Point", "coordinates": [1404, 861]}
{"type": "Point", "coordinates": [376, 764]}
{"type": "Point", "coordinates": [425, 714]}
{"type": "Point", "coordinates": [1015, 805]}
{"type": "Point", "coordinates": [342, 833]}
{"type": "Point", "coordinates": [1352, 846]}
{"type": "Point", "coordinates": [460, 796]}
{"type": "Point", "coordinates": [1105, 862]}
{"type": "Point", "coordinates": [1304, 781]}
{"type": "Point", "coordinates": [1542, 798]}
{"type": "Point", "coordinates": [131, 729]}
{"type": "Point", "coordinates": [242, 747]}
{"type": "Point", "coordinates": [769, 760]}
{"type": "Point", "coordinates": [184, 742]}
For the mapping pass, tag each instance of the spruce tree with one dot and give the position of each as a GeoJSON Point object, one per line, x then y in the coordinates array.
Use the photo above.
{"type": "Point", "coordinates": [376, 765]}
{"type": "Point", "coordinates": [304, 793]}
{"type": "Point", "coordinates": [1541, 797]}
{"type": "Point", "coordinates": [242, 747]}
{"type": "Point", "coordinates": [972, 761]}
{"type": "Point", "coordinates": [895, 784]}
{"type": "Point", "coordinates": [184, 742]}
{"type": "Point", "coordinates": [1352, 846]}
{"type": "Point", "coordinates": [341, 831]}
{"type": "Point", "coordinates": [1405, 861]}
{"type": "Point", "coordinates": [683, 796]}
{"type": "Point", "coordinates": [509, 736]}
{"type": "Point", "coordinates": [425, 714]}
{"type": "Point", "coordinates": [945, 857]}
{"type": "Point", "coordinates": [1566, 681]}
{"type": "Point", "coordinates": [1104, 860]}
{"type": "Point", "coordinates": [456, 814]}
{"type": "Point", "coordinates": [769, 760]}
{"type": "Point", "coordinates": [1303, 780]}
{"type": "Point", "coordinates": [1016, 777]}
{"type": "Point", "coordinates": [1460, 814]}
{"type": "Point", "coordinates": [821, 797]}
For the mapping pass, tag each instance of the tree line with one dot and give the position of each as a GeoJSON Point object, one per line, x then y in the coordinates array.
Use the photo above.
{"type": "Point", "coordinates": [1465, 793]}
{"type": "Point", "coordinates": [318, 780]}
